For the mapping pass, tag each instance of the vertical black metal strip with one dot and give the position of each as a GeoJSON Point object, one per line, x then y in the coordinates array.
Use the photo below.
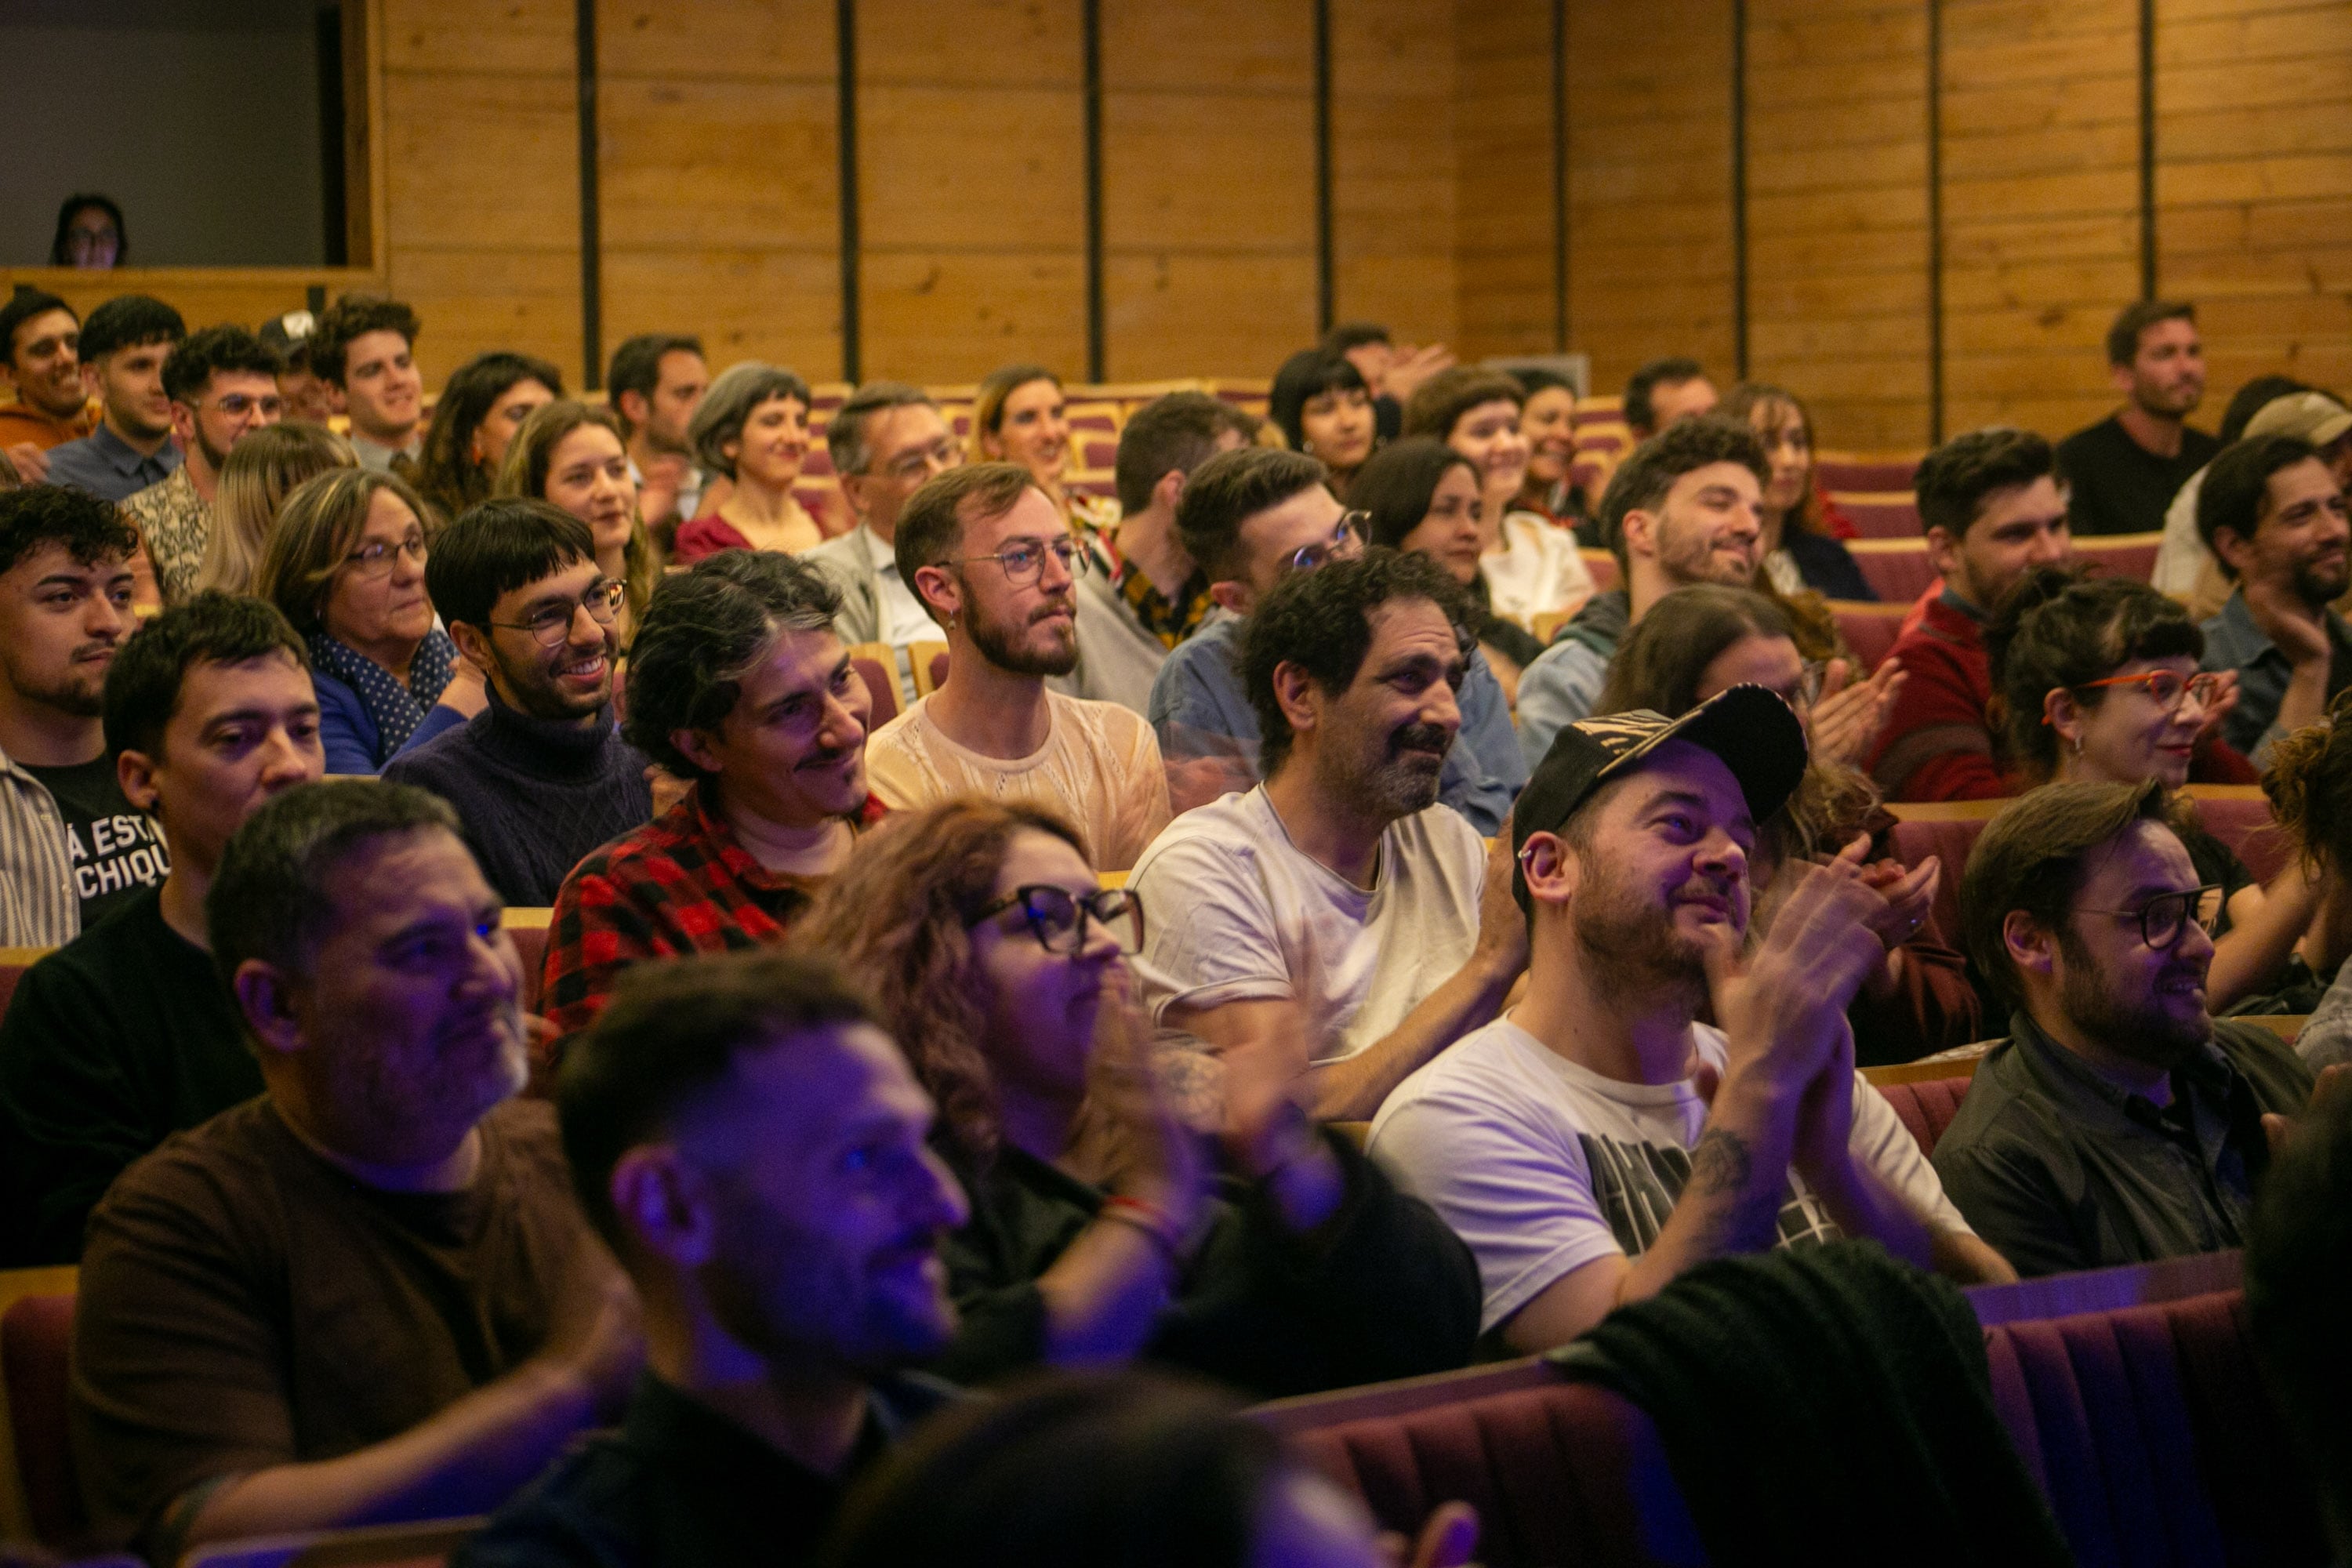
{"type": "Point", "coordinates": [1739, 184]}
{"type": "Point", "coordinates": [1559, 175]}
{"type": "Point", "coordinates": [2148, 149]}
{"type": "Point", "coordinates": [1323, 269]}
{"type": "Point", "coordinates": [1096, 351]}
{"type": "Point", "coordinates": [1936, 222]}
{"type": "Point", "coordinates": [592, 242]}
{"type": "Point", "coordinates": [845, 68]}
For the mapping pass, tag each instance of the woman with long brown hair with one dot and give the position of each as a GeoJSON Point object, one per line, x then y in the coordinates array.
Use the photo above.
{"type": "Point", "coordinates": [1021, 416]}
{"type": "Point", "coordinates": [573, 456]}
{"type": "Point", "coordinates": [1002, 967]}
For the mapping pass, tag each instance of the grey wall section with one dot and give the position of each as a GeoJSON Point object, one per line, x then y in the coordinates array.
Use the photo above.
{"type": "Point", "coordinates": [201, 120]}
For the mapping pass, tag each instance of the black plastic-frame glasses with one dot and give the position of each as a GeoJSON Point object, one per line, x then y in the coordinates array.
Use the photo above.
{"type": "Point", "coordinates": [2165, 919]}
{"type": "Point", "coordinates": [551, 627]}
{"type": "Point", "coordinates": [1057, 916]}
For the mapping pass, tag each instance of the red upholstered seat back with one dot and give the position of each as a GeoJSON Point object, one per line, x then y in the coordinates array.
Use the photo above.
{"type": "Point", "coordinates": [881, 691]}
{"type": "Point", "coordinates": [1880, 515]}
{"type": "Point", "coordinates": [1914, 840]}
{"type": "Point", "coordinates": [1927, 1106]}
{"type": "Point", "coordinates": [1563, 1473]}
{"type": "Point", "coordinates": [35, 1343]}
{"type": "Point", "coordinates": [531, 943]}
{"type": "Point", "coordinates": [1842, 474]}
{"type": "Point", "coordinates": [2153, 1436]}
{"type": "Point", "coordinates": [1868, 629]}
{"type": "Point", "coordinates": [1897, 570]}
{"type": "Point", "coordinates": [2245, 826]}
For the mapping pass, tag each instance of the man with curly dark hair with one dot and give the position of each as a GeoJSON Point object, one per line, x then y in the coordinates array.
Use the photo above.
{"type": "Point", "coordinates": [366, 348]}
{"type": "Point", "coordinates": [222, 383]}
{"type": "Point", "coordinates": [124, 345]}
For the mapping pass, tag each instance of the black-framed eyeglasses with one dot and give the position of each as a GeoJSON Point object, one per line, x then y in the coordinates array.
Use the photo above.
{"type": "Point", "coordinates": [1057, 916]}
{"type": "Point", "coordinates": [1023, 561]}
{"type": "Point", "coordinates": [1347, 541]}
{"type": "Point", "coordinates": [551, 626]}
{"type": "Point", "coordinates": [2164, 919]}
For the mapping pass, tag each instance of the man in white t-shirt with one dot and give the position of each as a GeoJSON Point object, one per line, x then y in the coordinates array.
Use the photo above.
{"type": "Point", "coordinates": [1596, 1142]}
{"type": "Point", "coordinates": [997, 565]}
{"type": "Point", "coordinates": [1337, 908]}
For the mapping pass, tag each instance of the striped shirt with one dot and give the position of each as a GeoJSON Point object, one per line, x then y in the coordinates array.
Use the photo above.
{"type": "Point", "coordinates": [39, 906]}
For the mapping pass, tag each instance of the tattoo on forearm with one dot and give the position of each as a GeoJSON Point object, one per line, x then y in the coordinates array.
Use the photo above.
{"type": "Point", "coordinates": [1720, 1162]}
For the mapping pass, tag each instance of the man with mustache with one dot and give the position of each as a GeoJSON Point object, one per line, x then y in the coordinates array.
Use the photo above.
{"type": "Point", "coordinates": [367, 1295]}
{"type": "Point", "coordinates": [2118, 1122]}
{"type": "Point", "coordinates": [996, 564]}
{"type": "Point", "coordinates": [1338, 908]}
{"type": "Point", "coordinates": [756, 1150]}
{"type": "Point", "coordinates": [2123, 471]}
{"type": "Point", "coordinates": [739, 683]}
{"type": "Point", "coordinates": [1598, 1140]}
{"type": "Point", "coordinates": [1685, 506]}
{"type": "Point", "coordinates": [2274, 516]}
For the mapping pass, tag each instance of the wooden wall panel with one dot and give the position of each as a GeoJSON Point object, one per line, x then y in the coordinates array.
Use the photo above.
{"type": "Point", "coordinates": [2254, 185]}
{"type": "Point", "coordinates": [1649, 186]}
{"type": "Point", "coordinates": [1392, 167]}
{"type": "Point", "coordinates": [1208, 186]}
{"type": "Point", "coordinates": [1838, 253]}
{"type": "Point", "coordinates": [204, 296]}
{"type": "Point", "coordinates": [1503, 251]}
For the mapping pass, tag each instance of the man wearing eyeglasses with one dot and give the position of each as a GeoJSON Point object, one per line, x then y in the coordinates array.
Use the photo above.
{"type": "Point", "coordinates": [997, 567]}
{"type": "Point", "coordinates": [540, 777]}
{"type": "Point", "coordinates": [1253, 519]}
{"type": "Point", "coordinates": [223, 386]}
{"type": "Point", "coordinates": [2120, 1122]}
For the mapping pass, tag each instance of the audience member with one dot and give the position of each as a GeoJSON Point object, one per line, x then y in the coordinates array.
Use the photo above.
{"type": "Point", "coordinates": [1599, 1141]}
{"type": "Point", "coordinates": [998, 566]}
{"type": "Point", "coordinates": [345, 562]}
{"type": "Point", "coordinates": [1548, 420]}
{"type": "Point", "coordinates": [482, 405]}
{"type": "Point", "coordinates": [539, 776]}
{"type": "Point", "coordinates": [223, 386]}
{"type": "Point", "coordinates": [1709, 638]}
{"type": "Point", "coordinates": [2309, 785]}
{"type": "Point", "coordinates": [885, 442]}
{"type": "Point", "coordinates": [1138, 1470]}
{"type": "Point", "coordinates": [1993, 510]}
{"type": "Point", "coordinates": [123, 346]}
{"type": "Point", "coordinates": [2122, 472]}
{"type": "Point", "coordinates": [751, 1143]}
{"type": "Point", "coordinates": [1531, 565]}
{"type": "Point", "coordinates": [2120, 1122]}
{"type": "Point", "coordinates": [1682, 508]}
{"type": "Point", "coordinates": [1664, 392]}
{"type": "Point", "coordinates": [1333, 905]}
{"type": "Point", "coordinates": [72, 848]}
{"type": "Point", "coordinates": [263, 469]}
{"type": "Point", "coordinates": [308, 395]}
{"type": "Point", "coordinates": [1325, 410]}
{"type": "Point", "coordinates": [365, 347]}
{"type": "Point", "coordinates": [2098, 681]}
{"type": "Point", "coordinates": [368, 1295]}
{"type": "Point", "coordinates": [751, 427]}
{"type": "Point", "coordinates": [2184, 567]}
{"type": "Point", "coordinates": [126, 1035]}
{"type": "Point", "coordinates": [1144, 595]}
{"type": "Point", "coordinates": [657, 382]}
{"type": "Point", "coordinates": [738, 682]}
{"type": "Point", "coordinates": [1422, 496]}
{"type": "Point", "coordinates": [41, 336]}
{"type": "Point", "coordinates": [570, 454]}
{"type": "Point", "coordinates": [90, 233]}
{"type": "Point", "coordinates": [1801, 552]}
{"type": "Point", "coordinates": [1020, 417]}
{"type": "Point", "coordinates": [1002, 967]}
{"type": "Point", "coordinates": [1392, 373]}
{"type": "Point", "coordinates": [2273, 515]}
{"type": "Point", "coordinates": [1252, 519]}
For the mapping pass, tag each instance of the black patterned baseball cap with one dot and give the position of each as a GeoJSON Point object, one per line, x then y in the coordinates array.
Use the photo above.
{"type": "Point", "coordinates": [1751, 728]}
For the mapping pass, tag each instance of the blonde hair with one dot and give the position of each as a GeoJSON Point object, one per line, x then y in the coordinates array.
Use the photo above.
{"type": "Point", "coordinates": [262, 470]}
{"type": "Point", "coordinates": [524, 475]}
{"type": "Point", "coordinates": [317, 530]}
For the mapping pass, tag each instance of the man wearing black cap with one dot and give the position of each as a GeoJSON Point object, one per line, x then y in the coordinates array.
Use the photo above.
{"type": "Point", "coordinates": [1596, 1142]}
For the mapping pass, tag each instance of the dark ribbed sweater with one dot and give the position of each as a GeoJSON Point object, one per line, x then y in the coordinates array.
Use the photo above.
{"type": "Point", "coordinates": [534, 797]}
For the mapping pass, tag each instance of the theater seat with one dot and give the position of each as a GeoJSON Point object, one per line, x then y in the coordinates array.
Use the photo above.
{"type": "Point", "coordinates": [1927, 1106]}
{"type": "Point", "coordinates": [1880, 515]}
{"type": "Point", "coordinates": [528, 927]}
{"type": "Point", "coordinates": [1604, 567]}
{"type": "Point", "coordinates": [928, 662]}
{"type": "Point", "coordinates": [1844, 474]}
{"type": "Point", "coordinates": [2131, 555]}
{"type": "Point", "coordinates": [1869, 629]}
{"type": "Point", "coordinates": [1897, 570]}
{"type": "Point", "coordinates": [878, 664]}
{"type": "Point", "coordinates": [1949, 831]}
{"type": "Point", "coordinates": [35, 1346]}
{"type": "Point", "coordinates": [2240, 817]}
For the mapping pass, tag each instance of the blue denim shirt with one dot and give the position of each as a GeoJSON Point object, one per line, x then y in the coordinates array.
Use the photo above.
{"type": "Point", "coordinates": [2232, 641]}
{"type": "Point", "coordinates": [105, 465]}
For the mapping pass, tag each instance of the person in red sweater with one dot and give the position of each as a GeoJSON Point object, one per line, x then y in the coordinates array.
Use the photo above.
{"type": "Point", "coordinates": [1993, 510]}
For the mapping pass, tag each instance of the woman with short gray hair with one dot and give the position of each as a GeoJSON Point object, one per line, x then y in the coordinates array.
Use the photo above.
{"type": "Point", "coordinates": [753, 427]}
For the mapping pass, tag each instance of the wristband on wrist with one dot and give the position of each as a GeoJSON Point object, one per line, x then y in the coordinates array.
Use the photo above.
{"type": "Point", "coordinates": [1150, 1219]}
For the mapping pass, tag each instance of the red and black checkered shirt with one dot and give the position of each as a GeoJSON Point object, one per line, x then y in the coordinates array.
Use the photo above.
{"type": "Point", "coordinates": [681, 884]}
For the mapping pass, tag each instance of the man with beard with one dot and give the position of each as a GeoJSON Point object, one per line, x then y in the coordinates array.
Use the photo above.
{"type": "Point", "coordinates": [656, 381]}
{"type": "Point", "coordinates": [757, 1151]}
{"type": "Point", "coordinates": [368, 1295]}
{"type": "Point", "coordinates": [738, 682]}
{"type": "Point", "coordinates": [1685, 506]}
{"type": "Point", "coordinates": [2273, 515]}
{"type": "Point", "coordinates": [123, 346]}
{"type": "Point", "coordinates": [2118, 1122]}
{"type": "Point", "coordinates": [71, 846]}
{"type": "Point", "coordinates": [223, 386]}
{"type": "Point", "coordinates": [1598, 1140]}
{"type": "Point", "coordinates": [996, 564]}
{"type": "Point", "coordinates": [1339, 910]}
{"type": "Point", "coordinates": [2123, 473]}
{"type": "Point", "coordinates": [539, 776]}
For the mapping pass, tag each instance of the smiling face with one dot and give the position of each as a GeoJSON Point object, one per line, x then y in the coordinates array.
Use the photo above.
{"type": "Point", "coordinates": [2146, 1005]}
{"type": "Point", "coordinates": [573, 680]}
{"type": "Point", "coordinates": [241, 735]}
{"type": "Point", "coordinates": [682, 379]}
{"type": "Point", "coordinates": [793, 749]}
{"type": "Point", "coordinates": [383, 390]}
{"type": "Point", "coordinates": [1490, 436]}
{"type": "Point", "coordinates": [588, 475]}
{"type": "Point", "coordinates": [497, 431]}
{"type": "Point", "coordinates": [2122, 734]}
{"type": "Point", "coordinates": [1040, 1005]}
{"type": "Point", "coordinates": [369, 612]}
{"type": "Point", "coordinates": [1380, 745]}
{"type": "Point", "coordinates": [905, 446]}
{"type": "Point", "coordinates": [1452, 532]}
{"type": "Point", "coordinates": [2015, 529]}
{"type": "Point", "coordinates": [774, 444]}
{"type": "Point", "coordinates": [2301, 536]}
{"type": "Point", "coordinates": [1339, 427]}
{"type": "Point", "coordinates": [131, 382]}
{"type": "Point", "coordinates": [45, 363]}
{"type": "Point", "coordinates": [1789, 447]}
{"type": "Point", "coordinates": [1708, 529]}
{"type": "Point", "coordinates": [1548, 422]}
{"type": "Point", "coordinates": [1271, 539]}
{"type": "Point", "coordinates": [61, 621]}
{"type": "Point", "coordinates": [1031, 430]}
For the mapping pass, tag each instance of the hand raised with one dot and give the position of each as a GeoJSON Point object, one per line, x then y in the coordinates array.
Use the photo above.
{"type": "Point", "coordinates": [1780, 1005]}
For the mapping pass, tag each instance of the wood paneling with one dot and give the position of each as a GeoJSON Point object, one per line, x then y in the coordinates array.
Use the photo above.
{"type": "Point", "coordinates": [1503, 249]}
{"type": "Point", "coordinates": [1392, 167]}
{"type": "Point", "coordinates": [204, 296]}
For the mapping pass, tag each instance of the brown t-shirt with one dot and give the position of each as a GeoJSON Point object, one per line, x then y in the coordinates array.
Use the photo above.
{"type": "Point", "coordinates": [245, 1304]}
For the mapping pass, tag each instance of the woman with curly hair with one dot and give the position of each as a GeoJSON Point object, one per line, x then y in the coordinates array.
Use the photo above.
{"type": "Point", "coordinates": [483, 404]}
{"type": "Point", "coordinates": [1002, 967]}
{"type": "Point", "coordinates": [2310, 788]}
